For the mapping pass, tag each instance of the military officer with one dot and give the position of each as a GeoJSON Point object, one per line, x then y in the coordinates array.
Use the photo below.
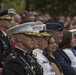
{"type": "Point", "coordinates": [5, 23]}
{"type": "Point", "coordinates": [56, 29]}
{"type": "Point", "coordinates": [42, 44]}
{"type": "Point", "coordinates": [22, 61]}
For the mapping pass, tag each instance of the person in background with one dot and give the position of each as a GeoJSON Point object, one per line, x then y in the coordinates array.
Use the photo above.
{"type": "Point", "coordinates": [38, 22]}
{"type": "Point", "coordinates": [73, 31]}
{"type": "Point", "coordinates": [48, 52]}
{"type": "Point", "coordinates": [22, 61]}
{"type": "Point", "coordinates": [5, 48]}
{"type": "Point", "coordinates": [71, 26]}
{"type": "Point", "coordinates": [60, 55]}
{"type": "Point", "coordinates": [61, 18]}
{"type": "Point", "coordinates": [68, 42]}
{"type": "Point", "coordinates": [32, 18]}
{"type": "Point", "coordinates": [11, 40]}
{"type": "Point", "coordinates": [12, 12]}
{"type": "Point", "coordinates": [42, 44]}
{"type": "Point", "coordinates": [17, 18]}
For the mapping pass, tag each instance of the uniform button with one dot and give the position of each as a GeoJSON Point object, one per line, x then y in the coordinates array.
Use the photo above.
{"type": "Point", "coordinates": [31, 60]}
{"type": "Point", "coordinates": [15, 53]}
{"type": "Point", "coordinates": [32, 67]}
{"type": "Point", "coordinates": [28, 74]}
{"type": "Point", "coordinates": [5, 47]}
{"type": "Point", "coordinates": [26, 67]}
{"type": "Point", "coordinates": [34, 72]}
{"type": "Point", "coordinates": [13, 56]}
{"type": "Point", "coordinates": [11, 53]}
{"type": "Point", "coordinates": [4, 52]}
{"type": "Point", "coordinates": [24, 54]}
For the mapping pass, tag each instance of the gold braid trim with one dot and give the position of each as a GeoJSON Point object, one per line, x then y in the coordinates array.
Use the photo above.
{"type": "Point", "coordinates": [7, 17]}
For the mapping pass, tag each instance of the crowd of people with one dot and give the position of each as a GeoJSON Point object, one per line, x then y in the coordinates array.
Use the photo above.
{"type": "Point", "coordinates": [33, 43]}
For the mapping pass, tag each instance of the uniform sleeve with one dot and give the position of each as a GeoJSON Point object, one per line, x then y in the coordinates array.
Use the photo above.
{"type": "Point", "coordinates": [13, 68]}
{"type": "Point", "coordinates": [1, 56]}
{"type": "Point", "coordinates": [67, 69]}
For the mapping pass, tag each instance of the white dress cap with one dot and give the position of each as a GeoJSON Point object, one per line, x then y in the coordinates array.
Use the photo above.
{"type": "Point", "coordinates": [25, 27]}
{"type": "Point", "coordinates": [38, 28]}
{"type": "Point", "coordinates": [11, 11]}
{"type": "Point", "coordinates": [73, 31]}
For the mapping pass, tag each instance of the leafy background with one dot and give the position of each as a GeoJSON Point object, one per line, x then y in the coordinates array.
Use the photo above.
{"type": "Point", "coordinates": [52, 6]}
{"type": "Point", "coordinates": [19, 5]}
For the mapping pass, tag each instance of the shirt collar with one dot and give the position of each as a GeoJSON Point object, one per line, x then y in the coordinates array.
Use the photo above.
{"type": "Point", "coordinates": [21, 49]}
{"type": "Point", "coordinates": [4, 33]}
{"type": "Point", "coordinates": [39, 50]}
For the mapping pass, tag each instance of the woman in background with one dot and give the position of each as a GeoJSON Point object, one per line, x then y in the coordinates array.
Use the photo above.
{"type": "Point", "coordinates": [67, 44]}
{"type": "Point", "coordinates": [49, 54]}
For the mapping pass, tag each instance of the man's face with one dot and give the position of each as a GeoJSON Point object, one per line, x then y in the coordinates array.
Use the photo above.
{"type": "Point", "coordinates": [27, 41]}
{"type": "Point", "coordinates": [35, 40]}
{"type": "Point", "coordinates": [5, 23]}
{"type": "Point", "coordinates": [58, 36]}
{"type": "Point", "coordinates": [42, 42]}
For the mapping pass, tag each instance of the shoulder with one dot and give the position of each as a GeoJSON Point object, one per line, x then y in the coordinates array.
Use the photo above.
{"type": "Point", "coordinates": [13, 57]}
{"type": "Point", "coordinates": [67, 51]}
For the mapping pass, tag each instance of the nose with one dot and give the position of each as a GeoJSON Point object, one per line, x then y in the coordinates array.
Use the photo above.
{"type": "Point", "coordinates": [9, 21]}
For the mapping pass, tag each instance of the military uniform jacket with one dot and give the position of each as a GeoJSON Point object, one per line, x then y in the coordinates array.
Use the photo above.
{"type": "Point", "coordinates": [64, 61]}
{"type": "Point", "coordinates": [21, 63]}
{"type": "Point", "coordinates": [47, 68]}
{"type": "Point", "coordinates": [5, 48]}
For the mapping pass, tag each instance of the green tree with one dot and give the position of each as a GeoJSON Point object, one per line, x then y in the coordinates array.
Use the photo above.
{"type": "Point", "coordinates": [19, 5]}
{"type": "Point", "coordinates": [52, 6]}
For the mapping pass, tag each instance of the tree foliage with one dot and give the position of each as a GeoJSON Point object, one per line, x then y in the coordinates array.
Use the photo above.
{"type": "Point", "coordinates": [19, 5]}
{"type": "Point", "coordinates": [51, 6]}
{"type": "Point", "coordinates": [55, 6]}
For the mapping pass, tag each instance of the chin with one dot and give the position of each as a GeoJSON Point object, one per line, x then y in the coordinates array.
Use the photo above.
{"type": "Point", "coordinates": [60, 40]}
{"type": "Point", "coordinates": [31, 47]}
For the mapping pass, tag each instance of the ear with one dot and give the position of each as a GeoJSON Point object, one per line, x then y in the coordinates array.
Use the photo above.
{"type": "Point", "coordinates": [1, 23]}
{"type": "Point", "coordinates": [39, 40]}
{"type": "Point", "coordinates": [19, 38]}
{"type": "Point", "coordinates": [33, 38]}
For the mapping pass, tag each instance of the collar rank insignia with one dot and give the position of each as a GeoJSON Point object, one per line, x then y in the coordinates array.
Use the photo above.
{"type": "Point", "coordinates": [34, 53]}
{"type": "Point", "coordinates": [4, 44]}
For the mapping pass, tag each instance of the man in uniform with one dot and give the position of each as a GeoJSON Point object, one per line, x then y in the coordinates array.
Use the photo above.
{"type": "Point", "coordinates": [22, 61]}
{"type": "Point", "coordinates": [5, 23]}
{"type": "Point", "coordinates": [42, 44]}
{"type": "Point", "coordinates": [56, 29]}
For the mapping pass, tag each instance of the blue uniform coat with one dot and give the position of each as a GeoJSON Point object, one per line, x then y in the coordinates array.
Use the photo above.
{"type": "Point", "coordinates": [64, 62]}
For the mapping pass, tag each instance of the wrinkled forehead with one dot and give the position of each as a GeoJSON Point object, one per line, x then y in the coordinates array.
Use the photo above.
{"type": "Point", "coordinates": [44, 38]}
{"type": "Point", "coordinates": [57, 32]}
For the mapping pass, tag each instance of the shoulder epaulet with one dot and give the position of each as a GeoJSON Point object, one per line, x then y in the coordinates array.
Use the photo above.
{"type": "Point", "coordinates": [34, 53]}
